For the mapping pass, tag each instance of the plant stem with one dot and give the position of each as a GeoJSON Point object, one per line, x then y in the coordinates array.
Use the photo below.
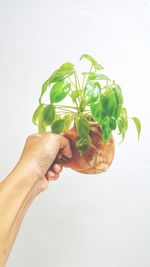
{"type": "Point", "coordinates": [76, 83]}
{"type": "Point", "coordinates": [72, 83]}
{"type": "Point", "coordinates": [87, 80]}
{"type": "Point", "coordinates": [83, 81]}
{"type": "Point", "coordinates": [69, 111]}
{"type": "Point", "coordinates": [62, 106]}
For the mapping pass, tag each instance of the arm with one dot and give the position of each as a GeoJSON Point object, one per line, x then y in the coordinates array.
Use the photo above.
{"type": "Point", "coordinates": [30, 177]}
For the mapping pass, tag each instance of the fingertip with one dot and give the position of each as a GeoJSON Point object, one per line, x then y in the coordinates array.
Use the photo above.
{"type": "Point", "coordinates": [57, 167]}
{"type": "Point", "coordinates": [51, 176]}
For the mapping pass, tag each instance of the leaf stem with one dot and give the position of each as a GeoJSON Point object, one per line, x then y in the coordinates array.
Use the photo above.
{"type": "Point", "coordinates": [72, 83]}
{"type": "Point", "coordinates": [77, 84]}
{"type": "Point", "coordinates": [87, 79]}
{"type": "Point", "coordinates": [69, 111]}
{"type": "Point", "coordinates": [62, 106]}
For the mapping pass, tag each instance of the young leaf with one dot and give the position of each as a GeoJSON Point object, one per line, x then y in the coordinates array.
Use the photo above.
{"type": "Point", "coordinates": [65, 70]}
{"type": "Point", "coordinates": [48, 114]}
{"type": "Point", "coordinates": [75, 94]}
{"type": "Point", "coordinates": [138, 126]}
{"type": "Point", "coordinates": [36, 114]}
{"type": "Point", "coordinates": [58, 126]}
{"type": "Point", "coordinates": [59, 91]}
{"type": "Point", "coordinates": [97, 110]}
{"type": "Point", "coordinates": [93, 61]}
{"type": "Point", "coordinates": [94, 76]}
{"type": "Point", "coordinates": [67, 66]}
{"type": "Point", "coordinates": [44, 88]}
{"type": "Point", "coordinates": [121, 127]}
{"type": "Point", "coordinates": [89, 88]}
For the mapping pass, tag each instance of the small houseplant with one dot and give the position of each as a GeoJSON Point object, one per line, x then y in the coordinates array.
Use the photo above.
{"type": "Point", "coordinates": [97, 110]}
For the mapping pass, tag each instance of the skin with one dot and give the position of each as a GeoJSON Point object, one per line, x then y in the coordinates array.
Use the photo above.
{"type": "Point", "coordinates": [31, 175]}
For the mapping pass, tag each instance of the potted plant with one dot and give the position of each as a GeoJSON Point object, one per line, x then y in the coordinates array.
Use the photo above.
{"type": "Point", "coordinates": [96, 111]}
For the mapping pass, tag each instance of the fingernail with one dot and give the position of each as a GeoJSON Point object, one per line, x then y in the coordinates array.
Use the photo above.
{"type": "Point", "coordinates": [57, 169]}
{"type": "Point", "coordinates": [52, 174]}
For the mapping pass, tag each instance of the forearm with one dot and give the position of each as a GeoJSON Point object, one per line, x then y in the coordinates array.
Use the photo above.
{"type": "Point", "coordinates": [17, 192]}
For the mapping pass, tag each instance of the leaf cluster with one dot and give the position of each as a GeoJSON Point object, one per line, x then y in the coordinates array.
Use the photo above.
{"type": "Point", "coordinates": [96, 100]}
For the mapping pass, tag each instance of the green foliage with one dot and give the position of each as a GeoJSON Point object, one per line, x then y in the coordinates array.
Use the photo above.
{"type": "Point", "coordinates": [59, 91]}
{"type": "Point", "coordinates": [123, 123]}
{"type": "Point", "coordinates": [68, 120]}
{"type": "Point", "coordinates": [94, 63]}
{"type": "Point", "coordinates": [138, 126]}
{"type": "Point", "coordinates": [96, 99]}
{"type": "Point", "coordinates": [48, 114]}
{"type": "Point", "coordinates": [58, 126]}
{"type": "Point", "coordinates": [83, 139]}
{"type": "Point", "coordinates": [37, 113]}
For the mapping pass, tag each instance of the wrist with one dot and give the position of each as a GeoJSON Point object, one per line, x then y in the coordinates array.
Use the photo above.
{"type": "Point", "coordinates": [24, 179]}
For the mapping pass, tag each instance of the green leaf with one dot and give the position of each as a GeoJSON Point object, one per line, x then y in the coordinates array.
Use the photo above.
{"type": "Point", "coordinates": [75, 94]}
{"type": "Point", "coordinates": [36, 114]}
{"type": "Point", "coordinates": [83, 144]}
{"type": "Point", "coordinates": [41, 127]}
{"type": "Point", "coordinates": [58, 126]}
{"type": "Point", "coordinates": [106, 132]}
{"type": "Point", "coordinates": [105, 122]}
{"type": "Point", "coordinates": [118, 94]}
{"type": "Point", "coordinates": [97, 110]}
{"type": "Point", "coordinates": [82, 126]}
{"type": "Point", "coordinates": [89, 88]}
{"type": "Point", "coordinates": [121, 126]}
{"type": "Point", "coordinates": [94, 76]}
{"type": "Point", "coordinates": [83, 138]}
{"type": "Point", "coordinates": [48, 114]}
{"type": "Point", "coordinates": [57, 116]}
{"type": "Point", "coordinates": [122, 123]}
{"type": "Point", "coordinates": [67, 66]}
{"type": "Point", "coordinates": [93, 61]}
{"type": "Point", "coordinates": [112, 123]}
{"type": "Point", "coordinates": [44, 88]}
{"type": "Point", "coordinates": [92, 91]}
{"type": "Point", "coordinates": [68, 119]}
{"type": "Point", "coordinates": [109, 102]}
{"type": "Point", "coordinates": [138, 126]}
{"type": "Point", "coordinates": [65, 70]}
{"type": "Point", "coordinates": [59, 91]}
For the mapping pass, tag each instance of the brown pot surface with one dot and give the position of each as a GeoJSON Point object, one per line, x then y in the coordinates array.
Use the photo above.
{"type": "Point", "coordinates": [96, 159]}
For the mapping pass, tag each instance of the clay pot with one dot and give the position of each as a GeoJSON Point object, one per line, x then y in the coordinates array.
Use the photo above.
{"type": "Point", "coordinates": [96, 159]}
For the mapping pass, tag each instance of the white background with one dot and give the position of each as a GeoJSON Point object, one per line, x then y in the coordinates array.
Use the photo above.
{"type": "Point", "coordinates": [80, 220]}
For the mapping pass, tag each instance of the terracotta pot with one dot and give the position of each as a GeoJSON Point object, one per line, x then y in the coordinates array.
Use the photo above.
{"type": "Point", "coordinates": [96, 159]}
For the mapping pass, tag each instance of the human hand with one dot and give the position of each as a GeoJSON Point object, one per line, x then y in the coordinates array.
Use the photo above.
{"type": "Point", "coordinates": [40, 155]}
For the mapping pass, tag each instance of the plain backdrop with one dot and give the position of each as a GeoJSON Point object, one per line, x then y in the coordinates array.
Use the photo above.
{"type": "Point", "coordinates": [81, 220]}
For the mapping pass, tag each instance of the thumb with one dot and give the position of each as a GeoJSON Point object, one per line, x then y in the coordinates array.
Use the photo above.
{"type": "Point", "coordinates": [65, 147]}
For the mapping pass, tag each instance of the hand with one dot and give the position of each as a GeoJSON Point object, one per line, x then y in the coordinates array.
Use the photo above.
{"type": "Point", "coordinates": [40, 155]}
